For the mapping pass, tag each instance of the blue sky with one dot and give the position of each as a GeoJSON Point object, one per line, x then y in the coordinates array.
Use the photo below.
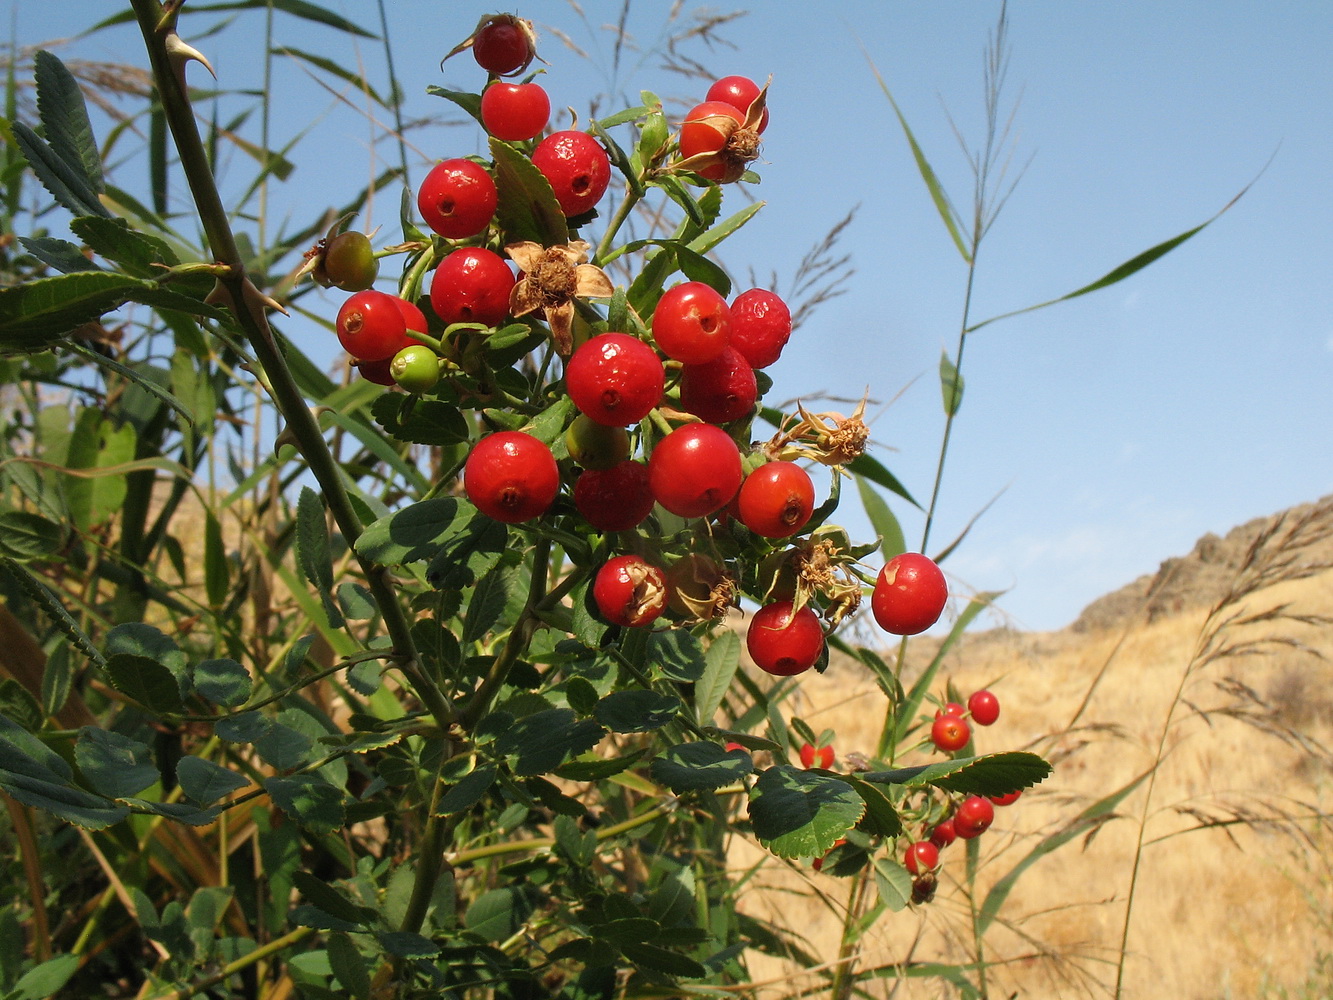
{"type": "Point", "coordinates": [1115, 428]}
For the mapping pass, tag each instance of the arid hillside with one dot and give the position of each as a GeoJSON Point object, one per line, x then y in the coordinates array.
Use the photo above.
{"type": "Point", "coordinates": [1202, 693]}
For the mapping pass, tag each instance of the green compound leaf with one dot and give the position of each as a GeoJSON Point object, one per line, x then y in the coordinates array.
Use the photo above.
{"type": "Point", "coordinates": [991, 774]}
{"type": "Point", "coordinates": [223, 682]}
{"type": "Point", "coordinates": [314, 553]}
{"type": "Point", "coordinates": [139, 254]}
{"type": "Point", "coordinates": [311, 801]}
{"type": "Point", "coordinates": [146, 681]}
{"type": "Point", "coordinates": [416, 532]}
{"type": "Point", "coordinates": [47, 979]}
{"type": "Point", "coordinates": [38, 777]}
{"type": "Point", "coordinates": [704, 766]}
{"type": "Point", "coordinates": [500, 913]}
{"type": "Point", "coordinates": [543, 741]}
{"type": "Point", "coordinates": [468, 792]}
{"type": "Point", "coordinates": [205, 781]}
{"type": "Point", "coordinates": [420, 420]}
{"type": "Point", "coordinates": [527, 208]}
{"type": "Point", "coordinates": [678, 653]}
{"type": "Point", "coordinates": [25, 536]}
{"type": "Point", "coordinates": [65, 182]}
{"type": "Point", "coordinates": [115, 765]}
{"type": "Point", "coordinates": [894, 884]}
{"type": "Point", "coordinates": [17, 702]}
{"type": "Point", "coordinates": [881, 818]}
{"type": "Point", "coordinates": [720, 662]}
{"type": "Point", "coordinates": [636, 711]}
{"type": "Point", "coordinates": [37, 315]}
{"type": "Point", "coordinates": [798, 813]}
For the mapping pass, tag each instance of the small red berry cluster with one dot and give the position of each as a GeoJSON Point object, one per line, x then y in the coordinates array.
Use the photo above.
{"type": "Point", "coordinates": [950, 733]}
{"type": "Point", "coordinates": [970, 818]}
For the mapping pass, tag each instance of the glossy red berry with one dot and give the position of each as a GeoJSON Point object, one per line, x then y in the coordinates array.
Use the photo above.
{"type": "Point", "coordinates": [691, 323]}
{"type": "Point", "coordinates": [812, 755]}
{"type": "Point", "coordinates": [515, 112]}
{"type": "Point", "coordinates": [376, 371]}
{"type": "Point", "coordinates": [909, 595]}
{"type": "Point", "coordinates": [577, 167]}
{"type": "Point", "coordinates": [630, 591]}
{"type": "Point", "coordinates": [740, 92]}
{"type": "Point", "coordinates": [943, 835]}
{"type": "Point", "coordinates": [973, 817]}
{"type": "Point", "coordinates": [985, 708]}
{"type": "Point", "coordinates": [511, 476]}
{"type": "Point", "coordinates": [1007, 799]}
{"type": "Point", "coordinates": [413, 318]}
{"type": "Point", "coordinates": [783, 642]}
{"type": "Point", "coordinates": [472, 285]}
{"type": "Point", "coordinates": [950, 733]}
{"type": "Point", "coordinates": [706, 129]}
{"type": "Point", "coordinates": [457, 198]}
{"type": "Point", "coordinates": [720, 390]}
{"type": "Point", "coordinates": [370, 326]}
{"type": "Point", "coordinates": [921, 857]}
{"type": "Point", "coordinates": [614, 499]}
{"type": "Point", "coordinates": [776, 499]}
{"type": "Point", "coordinates": [695, 470]}
{"type": "Point", "coordinates": [950, 708]}
{"type": "Point", "coordinates": [760, 326]}
{"type": "Point", "coordinates": [502, 46]}
{"type": "Point", "coordinates": [615, 379]}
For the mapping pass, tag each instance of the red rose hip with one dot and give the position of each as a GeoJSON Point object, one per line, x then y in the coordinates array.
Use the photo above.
{"type": "Point", "coordinates": [760, 326]}
{"type": "Point", "coordinates": [691, 323]}
{"type": "Point", "coordinates": [720, 390]}
{"type": "Point", "coordinates": [695, 470]}
{"type": "Point", "coordinates": [630, 591]}
{"type": "Point", "coordinates": [515, 112]}
{"type": "Point", "coordinates": [577, 167]}
{"type": "Point", "coordinates": [950, 733]}
{"type": "Point", "coordinates": [974, 817]}
{"type": "Point", "coordinates": [985, 708]}
{"type": "Point", "coordinates": [614, 499]}
{"type": "Point", "coordinates": [782, 642]}
{"type": "Point", "coordinates": [511, 476]}
{"type": "Point", "coordinates": [909, 595]}
{"type": "Point", "coordinates": [615, 379]}
{"type": "Point", "coordinates": [921, 857]}
{"type": "Point", "coordinates": [457, 199]}
{"type": "Point", "coordinates": [472, 285]}
{"type": "Point", "coordinates": [776, 499]}
{"type": "Point", "coordinates": [740, 92]}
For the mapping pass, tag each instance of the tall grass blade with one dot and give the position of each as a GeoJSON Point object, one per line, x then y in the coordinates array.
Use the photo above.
{"type": "Point", "coordinates": [942, 204]}
{"type": "Point", "coordinates": [1129, 267]}
{"type": "Point", "coordinates": [1081, 825]}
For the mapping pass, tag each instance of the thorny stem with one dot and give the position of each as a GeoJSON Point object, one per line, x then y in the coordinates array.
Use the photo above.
{"type": "Point", "coordinates": [157, 24]}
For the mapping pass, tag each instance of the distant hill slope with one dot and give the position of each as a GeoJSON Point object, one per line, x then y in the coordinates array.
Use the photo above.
{"type": "Point", "coordinates": [1198, 579]}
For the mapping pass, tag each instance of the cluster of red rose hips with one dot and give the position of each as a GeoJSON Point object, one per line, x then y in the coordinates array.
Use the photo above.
{"type": "Point", "coordinates": [696, 370]}
{"type": "Point", "coordinates": [950, 732]}
{"type": "Point", "coordinates": [970, 818]}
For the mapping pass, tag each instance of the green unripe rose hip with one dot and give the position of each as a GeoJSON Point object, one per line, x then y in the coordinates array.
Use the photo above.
{"type": "Point", "coordinates": [596, 446]}
{"type": "Point", "coordinates": [415, 368]}
{"type": "Point", "coordinates": [349, 262]}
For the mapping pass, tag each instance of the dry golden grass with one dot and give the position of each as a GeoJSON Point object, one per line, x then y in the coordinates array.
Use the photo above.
{"type": "Point", "coordinates": [1240, 909]}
